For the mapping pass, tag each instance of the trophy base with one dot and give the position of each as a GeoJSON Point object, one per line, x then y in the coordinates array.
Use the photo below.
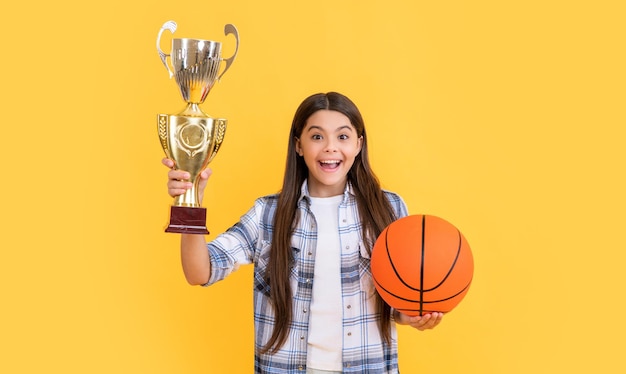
{"type": "Point", "coordinates": [187, 220]}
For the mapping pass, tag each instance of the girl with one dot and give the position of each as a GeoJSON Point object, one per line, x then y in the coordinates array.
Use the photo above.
{"type": "Point", "coordinates": [316, 309]}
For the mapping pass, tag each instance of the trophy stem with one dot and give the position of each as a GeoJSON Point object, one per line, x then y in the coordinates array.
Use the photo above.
{"type": "Point", "coordinates": [189, 198]}
{"type": "Point", "coordinates": [193, 110]}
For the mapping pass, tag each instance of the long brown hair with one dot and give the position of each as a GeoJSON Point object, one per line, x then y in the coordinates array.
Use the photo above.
{"type": "Point", "coordinates": [375, 212]}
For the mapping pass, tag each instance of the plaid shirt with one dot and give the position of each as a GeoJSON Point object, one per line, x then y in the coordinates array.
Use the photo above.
{"type": "Point", "coordinates": [248, 241]}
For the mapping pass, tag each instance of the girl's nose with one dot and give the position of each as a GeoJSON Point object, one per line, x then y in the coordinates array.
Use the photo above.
{"type": "Point", "coordinates": [330, 146]}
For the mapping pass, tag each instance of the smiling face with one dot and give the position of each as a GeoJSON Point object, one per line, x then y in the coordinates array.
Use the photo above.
{"type": "Point", "coordinates": [329, 144]}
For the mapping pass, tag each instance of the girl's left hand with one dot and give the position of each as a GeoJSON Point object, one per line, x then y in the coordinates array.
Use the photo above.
{"type": "Point", "coordinates": [425, 322]}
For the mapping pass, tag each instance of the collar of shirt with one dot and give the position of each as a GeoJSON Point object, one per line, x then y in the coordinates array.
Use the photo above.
{"type": "Point", "coordinates": [305, 195]}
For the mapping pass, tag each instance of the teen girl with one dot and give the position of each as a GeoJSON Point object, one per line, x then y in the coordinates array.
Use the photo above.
{"type": "Point", "coordinates": [316, 309]}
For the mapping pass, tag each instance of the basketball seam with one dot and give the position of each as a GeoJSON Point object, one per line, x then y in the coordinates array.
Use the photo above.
{"type": "Point", "coordinates": [450, 297]}
{"type": "Point", "coordinates": [422, 265]}
{"type": "Point", "coordinates": [458, 254]}
{"type": "Point", "coordinates": [393, 294]}
{"type": "Point", "coordinates": [393, 266]}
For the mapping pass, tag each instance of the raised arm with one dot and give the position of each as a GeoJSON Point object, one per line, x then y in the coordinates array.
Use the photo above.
{"type": "Point", "coordinates": [193, 248]}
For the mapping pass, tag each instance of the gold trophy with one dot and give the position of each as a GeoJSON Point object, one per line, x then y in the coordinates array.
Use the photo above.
{"type": "Point", "coordinates": [192, 138]}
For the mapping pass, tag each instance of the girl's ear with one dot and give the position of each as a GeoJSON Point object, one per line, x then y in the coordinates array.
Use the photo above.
{"type": "Point", "coordinates": [359, 144]}
{"type": "Point", "coordinates": [298, 147]}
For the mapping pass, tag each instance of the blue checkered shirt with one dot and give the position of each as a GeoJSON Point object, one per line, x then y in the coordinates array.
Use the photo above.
{"type": "Point", "coordinates": [248, 241]}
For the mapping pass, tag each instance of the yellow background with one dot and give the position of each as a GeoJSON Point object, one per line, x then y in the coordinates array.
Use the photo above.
{"type": "Point", "coordinates": [504, 117]}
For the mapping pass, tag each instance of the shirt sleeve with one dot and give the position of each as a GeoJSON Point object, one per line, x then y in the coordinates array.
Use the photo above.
{"type": "Point", "coordinates": [398, 204]}
{"type": "Point", "coordinates": [236, 246]}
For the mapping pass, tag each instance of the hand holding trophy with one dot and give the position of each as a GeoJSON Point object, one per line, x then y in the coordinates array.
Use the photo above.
{"type": "Point", "coordinates": [192, 138]}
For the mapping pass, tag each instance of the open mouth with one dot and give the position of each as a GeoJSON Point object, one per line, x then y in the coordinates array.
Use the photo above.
{"type": "Point", "coordinates": [329, 164]}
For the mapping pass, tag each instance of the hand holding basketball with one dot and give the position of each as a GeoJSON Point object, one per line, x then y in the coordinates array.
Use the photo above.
{"type": "Point", "coordinates": [425, 322]}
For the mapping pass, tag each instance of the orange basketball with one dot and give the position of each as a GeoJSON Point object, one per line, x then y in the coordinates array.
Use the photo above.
{"type": "Point", "coordinates": [422, 264]}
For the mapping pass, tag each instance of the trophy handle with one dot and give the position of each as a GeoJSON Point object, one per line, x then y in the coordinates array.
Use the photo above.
{"type": "Point", "coordinates": [230, 29]}
{"type": "Point", "coordinates": [169, 25]}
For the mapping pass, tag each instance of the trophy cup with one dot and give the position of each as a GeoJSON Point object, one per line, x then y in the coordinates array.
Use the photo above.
{"type": "Point", "coordinates": [192, 138]}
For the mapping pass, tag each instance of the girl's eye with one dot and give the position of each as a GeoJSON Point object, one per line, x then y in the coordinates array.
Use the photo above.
{"type": "Point", "coordinates": [343, 137]}
{"type": "Point", "coordinates": [316, 137]}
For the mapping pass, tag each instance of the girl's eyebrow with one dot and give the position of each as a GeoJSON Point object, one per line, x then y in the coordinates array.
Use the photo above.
{"type": "Point", "coordinates": [319, 128]}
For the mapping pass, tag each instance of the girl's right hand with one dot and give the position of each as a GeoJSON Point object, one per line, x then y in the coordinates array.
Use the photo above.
{"type": "Point", "coordinates": [178, 180]}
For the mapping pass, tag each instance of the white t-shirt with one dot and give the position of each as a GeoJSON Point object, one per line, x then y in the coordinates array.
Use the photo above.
{"type": "Point", "coordinates": [325, 321]}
